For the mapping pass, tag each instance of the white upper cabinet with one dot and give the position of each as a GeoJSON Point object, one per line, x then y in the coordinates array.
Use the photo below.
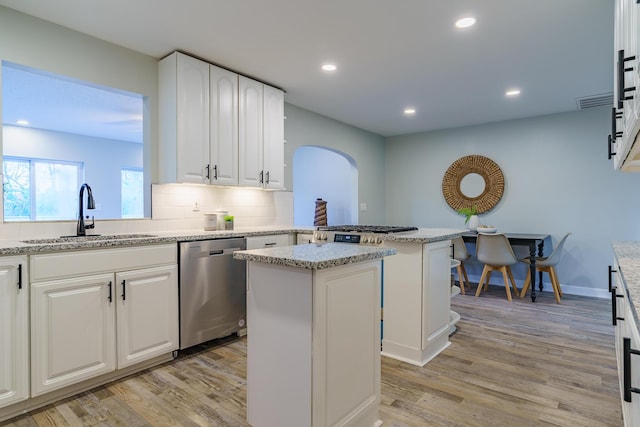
{"type": "Point", "coordinates": [223, 126]}
{"type": "Point", "coordinates": [217, 127]}
{"type": "Point", "coordinates": [14, 330]}
{"type": "Point", "coordinates": [273, 138]}
{"type": "Point", "coordinates": [261, 138]}
{"type": "Point", "coordinates": [626, 123]}
{"type": "Point", "coordinates": [184, 119]}
{"type": "Point", "coordinates": [251, 142]}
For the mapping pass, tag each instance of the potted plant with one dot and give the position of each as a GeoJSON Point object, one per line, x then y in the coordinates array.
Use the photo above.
{"type": "Point", "coordinates": [228, 222]}
{"type": "Point", "coordinates": [471, 219]}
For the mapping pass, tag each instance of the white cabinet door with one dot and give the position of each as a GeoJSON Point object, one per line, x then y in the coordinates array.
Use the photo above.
{"type": "Point", "coordinates": [147, 313]}
{"type": "Point", "coordinates": [436, 294]}
{"type": "Point", "coordinates": [223, 126]}
{"type": "Point", "coordinates": [262, 242]}
{"type": "Point", "coordinates": [72, 331]}
{"type": "Point", "coordinates": [193, 119]}
{"type": "Point", "coordinates": [14, 332]}
{"type": "Point", "coordinates": [273, 138]}
{"type": "Point", "coordinates": [250, 134]}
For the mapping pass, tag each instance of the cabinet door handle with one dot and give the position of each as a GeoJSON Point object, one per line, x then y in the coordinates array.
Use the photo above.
{"type": "Point", "coordinates": [626, 368]}
{"type": "Point", "coordinates": [614, 307]}
{"type": "Point", "coordinates": [270, 244]}
{"type": "Point", "coordinates": [267, 178]}
{"type": "Point", "coordinates": [110, 291]}
{"type": "Point", "coordinates": [621, 86]}
{"type": "Point", "coordinates": [19, 276]}
{"type": "Point", "coordinates": [124, 290]}
{"type": "Point", "coordinates": [215, 172]}
{"type": "Point", "coordinates": [614, 131]}
{"type": "Point", "coordinates": [611, 152]}
{"type": "Point", "coordinates": [611, 271]}
{"type": "Point", "coordinates": [261, 177]}
{"type": "Point", "coordinates": [206, 174]}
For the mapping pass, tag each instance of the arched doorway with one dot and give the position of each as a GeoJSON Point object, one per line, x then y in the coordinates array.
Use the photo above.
{"type": "Point", "coordinates": [320, 172]}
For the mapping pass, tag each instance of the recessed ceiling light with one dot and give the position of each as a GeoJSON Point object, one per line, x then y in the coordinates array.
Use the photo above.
{"type": "Point", "coordinates": [409, 111]}
{"type": "Point", "coordinates": [22, 122]}
{"type": "Point", "coordinates": [465, 22]}
{"type": "Point", "coordinates": [329, 67]}
{"type": "Point", "coordinates": [512, 92]}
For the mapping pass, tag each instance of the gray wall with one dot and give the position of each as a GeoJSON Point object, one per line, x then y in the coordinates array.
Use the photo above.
{"type": "Point", "coordinates": [303, 127]}
{"type": "Point", "coordinates": [557, 179]}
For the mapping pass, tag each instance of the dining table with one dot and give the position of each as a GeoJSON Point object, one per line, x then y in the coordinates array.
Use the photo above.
{"type": "Point", "coordinates": [533, 241]}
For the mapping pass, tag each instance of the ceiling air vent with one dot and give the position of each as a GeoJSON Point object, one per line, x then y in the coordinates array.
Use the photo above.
{"type": "Point", "coordinates": [604, 99]}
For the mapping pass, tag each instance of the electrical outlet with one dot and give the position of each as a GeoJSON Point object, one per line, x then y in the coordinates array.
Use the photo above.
{"type": "Point", "coordinates": [363, 207]}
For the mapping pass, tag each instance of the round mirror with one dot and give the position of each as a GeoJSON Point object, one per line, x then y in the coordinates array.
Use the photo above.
{"type": "Point", "coordinates": [473, 182]}
{"type": "Point", "coordinates": [472, 185]}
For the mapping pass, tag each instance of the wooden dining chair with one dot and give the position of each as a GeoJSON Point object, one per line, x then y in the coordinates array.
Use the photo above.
{"type": "Point", "coordinates": [495, 251]}
{"type": "Point", "coordinates": [461, 254]}
{"type": "Point", "coordinates": [547, 265]}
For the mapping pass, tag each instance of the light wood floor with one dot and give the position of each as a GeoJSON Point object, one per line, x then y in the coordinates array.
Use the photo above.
{"type": "Point", "coordinates": [509, 364]}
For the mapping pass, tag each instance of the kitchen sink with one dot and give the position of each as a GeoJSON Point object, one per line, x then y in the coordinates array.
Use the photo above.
{"type": "Point", "coordinates": [89, 238]}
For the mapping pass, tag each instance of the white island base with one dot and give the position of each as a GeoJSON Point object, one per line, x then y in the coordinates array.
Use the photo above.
{"type": "Point", "coordinates": [313, 349]}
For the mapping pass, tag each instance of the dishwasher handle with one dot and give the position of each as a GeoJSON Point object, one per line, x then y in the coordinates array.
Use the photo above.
{"type": "Point", "coordinates": [222, 252]}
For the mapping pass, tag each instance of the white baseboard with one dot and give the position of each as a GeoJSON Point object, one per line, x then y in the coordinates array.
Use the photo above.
{"type": "Point", "coordinates": [496, 279]}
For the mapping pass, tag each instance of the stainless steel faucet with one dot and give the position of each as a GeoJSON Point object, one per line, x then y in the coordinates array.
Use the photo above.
{"type": "Point", "coordinates": [91, 204]}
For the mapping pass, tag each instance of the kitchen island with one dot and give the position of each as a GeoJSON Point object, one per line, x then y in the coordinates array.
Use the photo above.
{"type": "Point", "coordinates": [313, 350]}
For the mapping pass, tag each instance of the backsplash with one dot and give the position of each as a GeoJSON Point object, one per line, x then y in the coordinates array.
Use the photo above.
{"type": "Point", "coordinates": [177, 207]}
{"type": "Point", "coordinates": [250, 207]}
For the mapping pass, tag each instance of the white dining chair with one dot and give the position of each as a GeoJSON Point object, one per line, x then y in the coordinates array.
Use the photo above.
{"type": "Point", "coordinates": [547, 265]}
{"type": "Point", "coordinates": [461, 254]}
{"type": "Point", "coordinates": [494, 250]}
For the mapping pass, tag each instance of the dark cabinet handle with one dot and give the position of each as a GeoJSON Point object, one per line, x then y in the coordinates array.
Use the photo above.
{"type": "Point", "coordinates": [206, 168]}
{"type": "Point", "coordinates": [611, 271]}
{"type": "Point", "coordinates": [124, 290]}
{"type": "Point", "coordinates": [110, 289]}
{"type": "Point", "coordinates": [611, 152]}
{"type": "Point", "coordinates": [267, 177]}
{"type": "Point", "coordinates": [215, 172]}
{"type": "Point", "coordinates": [621, 71]}
{"type": "Point", "coordinates": [626, 368]}
{"type": "Point", "coordinates": [261, 177]}
{"type": "Point", "coordinates": [19, 276]}
{"type": "Point", "coordinates": [614, 126]}
{"type": "Point", "coordinates": [614, 307]}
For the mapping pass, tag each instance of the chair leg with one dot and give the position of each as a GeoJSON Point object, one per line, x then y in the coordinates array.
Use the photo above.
{"type": "Point", "coordinates": [555, 283]}
{"type": "Point", "coordinates": [460, 279]}
{"type": "Point", "coordinates": [486, 283]}
{"type": "Point", "coordinates": [503, 269]}
{"type": "Point", "coordinates": [527, 283]}
{"type": "Point", "coordinates": [480, 283]}
{"type": "Point", "coordinates": [555, 275]}
{"type": "Point", "coordinates": [464, 272]}
{"type": "Point", "coordinates": [513, 281]}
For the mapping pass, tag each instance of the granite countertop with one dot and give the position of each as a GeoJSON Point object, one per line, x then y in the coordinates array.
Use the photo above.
{"type": "Point", "coordinates": [628, 256]}
{"type": "Point", "coordinates": [424, 235]}
{"type": "Point", "coordinates": [315, 256]}
{"type": "Point", "coordinates": [48, 245]}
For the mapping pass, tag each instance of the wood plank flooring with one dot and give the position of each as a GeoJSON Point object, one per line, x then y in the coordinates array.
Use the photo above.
{"type": "Point", "coordinates": [509, 364]}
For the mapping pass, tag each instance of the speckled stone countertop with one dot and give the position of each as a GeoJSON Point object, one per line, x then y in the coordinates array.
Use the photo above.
{"type": "Point", "coordinates": [48, 245]}
{"type": "Point", "coordinates": [315, 256]}
{"type": "Point", "coordinates": [628, 255]}
{"type": "Point", "coordinates": [424, 235]}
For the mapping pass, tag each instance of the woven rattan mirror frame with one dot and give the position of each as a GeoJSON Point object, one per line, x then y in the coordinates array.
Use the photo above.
{"type": "Point", "coordinates": [483, 166]}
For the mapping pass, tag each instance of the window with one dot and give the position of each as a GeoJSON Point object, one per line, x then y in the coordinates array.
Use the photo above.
{"type": "Point", "coordinates": [131, 192]}
{"type": "Point", "coordinates": [40, 190]}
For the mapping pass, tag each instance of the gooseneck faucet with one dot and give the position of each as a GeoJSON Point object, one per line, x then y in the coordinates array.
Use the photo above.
{"type": "Point", "coordinates": [91, 204]}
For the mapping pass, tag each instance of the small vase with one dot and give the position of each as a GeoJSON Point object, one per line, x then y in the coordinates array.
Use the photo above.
{"type": "Point", "coordinates": [473, 223]}
{"type": "Point", "coordinates": [228, 225]}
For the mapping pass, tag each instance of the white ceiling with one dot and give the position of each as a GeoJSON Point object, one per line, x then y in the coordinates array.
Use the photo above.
{"type": "Point", "coordinates": [390, 54]}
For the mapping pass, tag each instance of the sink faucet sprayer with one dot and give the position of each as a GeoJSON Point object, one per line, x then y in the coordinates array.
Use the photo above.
{"type": "Point", "coordinates": [91, 204]}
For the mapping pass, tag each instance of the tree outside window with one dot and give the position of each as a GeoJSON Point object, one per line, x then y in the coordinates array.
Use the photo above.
{"type": "Point", "coordinates": [131, 191]}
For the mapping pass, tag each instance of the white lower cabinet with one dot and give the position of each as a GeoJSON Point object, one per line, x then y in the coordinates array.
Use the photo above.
{"type": "Point", "coordinates": [271, 241]}
{"type": "Point", "coordinates": [84, 325]}
{"type": "Point", "coordinates": [626, 329]}
{"type": "Point", "coordinates": [416, 289]}
{"type": "Point", "coordinates": [14, 330]}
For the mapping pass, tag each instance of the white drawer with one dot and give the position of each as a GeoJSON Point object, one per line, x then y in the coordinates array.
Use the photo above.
{"type": "Point", "coordinates": [261, 242]}
{"type": "Point", "coordinates": [79, 263]}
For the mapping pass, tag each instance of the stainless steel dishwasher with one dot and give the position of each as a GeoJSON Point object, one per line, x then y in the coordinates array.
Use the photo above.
{"type": "Point", "coordinates": [212, 290]}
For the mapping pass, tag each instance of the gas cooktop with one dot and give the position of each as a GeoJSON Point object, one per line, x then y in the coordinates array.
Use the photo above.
{"type": "Point", "coordinates": [382, 229]}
